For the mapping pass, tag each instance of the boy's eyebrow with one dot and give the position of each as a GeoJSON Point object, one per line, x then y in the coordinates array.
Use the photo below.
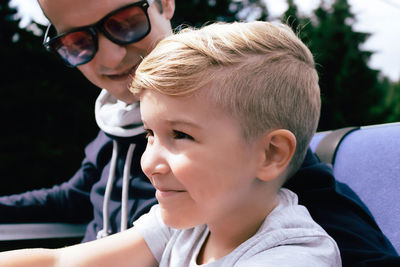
{"type": "Point", "coordinates": [183, 122]}
{"type": "Point", "coordinates": [179, 122]}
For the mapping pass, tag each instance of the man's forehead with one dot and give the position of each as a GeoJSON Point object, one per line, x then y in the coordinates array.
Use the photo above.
{"type": "Point", "coordinates": [67, 14]}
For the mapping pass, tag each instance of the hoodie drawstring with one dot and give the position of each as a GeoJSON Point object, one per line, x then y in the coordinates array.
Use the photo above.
{"type": "Point", "coordinates": [125, 191]}
{"type": "Point", "coordinates": [125, 188]}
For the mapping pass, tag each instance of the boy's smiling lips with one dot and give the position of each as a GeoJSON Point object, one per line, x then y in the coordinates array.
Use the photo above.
{"type": "Point", "coordinates": [165, 193]}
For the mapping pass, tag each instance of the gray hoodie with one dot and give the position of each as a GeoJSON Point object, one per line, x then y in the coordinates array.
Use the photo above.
{"type": "Point", "coordinates": [288, 237]}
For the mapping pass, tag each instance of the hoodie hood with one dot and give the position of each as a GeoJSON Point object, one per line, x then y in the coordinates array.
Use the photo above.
{"type": "Point", "coordinates": [117, 118]}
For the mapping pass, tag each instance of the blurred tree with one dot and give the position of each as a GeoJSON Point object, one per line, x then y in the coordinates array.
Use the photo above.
{"type": "Point", "coordinates": [352, 93]}
{"type": "Point", "coordinates": [350, 88]}
{"type": "Point", "coordinates": [302, 26]}
{"type": "Point", "coordinates": [392, 101]}
{"type": "Point", "coordinates": [199, 12]}
{"type": "Point", "coordinates": [47, 111]}
{"type": "Point", "coordinates": [290, 16]}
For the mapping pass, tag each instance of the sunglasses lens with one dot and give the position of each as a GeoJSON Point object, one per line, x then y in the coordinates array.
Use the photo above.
{"type": "Point", "coordinates": [75, 48]}
{"type": "Point", "coordinates": [128, 25]}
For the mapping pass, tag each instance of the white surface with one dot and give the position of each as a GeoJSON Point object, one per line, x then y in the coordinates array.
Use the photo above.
{"type": "Point", "coordinates": [26, 231]}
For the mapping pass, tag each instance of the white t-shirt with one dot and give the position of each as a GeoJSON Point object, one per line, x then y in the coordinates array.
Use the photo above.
{"type": "Point", "coordinates": [287, 237]}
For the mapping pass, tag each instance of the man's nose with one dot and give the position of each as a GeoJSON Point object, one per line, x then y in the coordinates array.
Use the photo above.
{"type": "Point", "coordinates": [109, 54]}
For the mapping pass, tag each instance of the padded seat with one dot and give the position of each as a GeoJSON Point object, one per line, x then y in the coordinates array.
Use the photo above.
{"type": "Point", "coordinates": [368, 160]}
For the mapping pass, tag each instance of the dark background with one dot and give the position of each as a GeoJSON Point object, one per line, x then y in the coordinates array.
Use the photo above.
{"type": "Point", "coordinates": [47, 109]}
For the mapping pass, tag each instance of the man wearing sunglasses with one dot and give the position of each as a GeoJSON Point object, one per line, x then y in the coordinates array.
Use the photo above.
{"type": "Point", "coordinates": [106, 40]}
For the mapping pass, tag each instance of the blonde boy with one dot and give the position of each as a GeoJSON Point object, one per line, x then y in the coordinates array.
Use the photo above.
{"type": "Point", "coordinates": [229, 112]}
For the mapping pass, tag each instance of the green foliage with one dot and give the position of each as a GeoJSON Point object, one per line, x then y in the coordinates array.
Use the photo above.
{"type": "Point", "coordinates": [290, 17]}
{"type": "Point", "coordinates": [352, 93]}
{"type": "Point", "coordinates": [392, 101]}
{"type": "Point", "coordinates": [199, 12]}
{"type": "Point", "coordinates": [350, 89]}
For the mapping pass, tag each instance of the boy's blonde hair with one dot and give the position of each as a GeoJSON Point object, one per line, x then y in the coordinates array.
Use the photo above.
{"type": "Point", "coordinates": [260, 72]}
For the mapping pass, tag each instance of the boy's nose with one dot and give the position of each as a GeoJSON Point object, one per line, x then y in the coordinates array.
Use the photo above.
{"type": "Point", "coordinates": [154, 161]}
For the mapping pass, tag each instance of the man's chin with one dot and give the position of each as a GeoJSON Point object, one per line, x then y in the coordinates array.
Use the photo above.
{"type": "Point", "coordinates": [128, 98]}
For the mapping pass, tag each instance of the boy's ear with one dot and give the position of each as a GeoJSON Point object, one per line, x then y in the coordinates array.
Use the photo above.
{"type": "Point", "coordinates": [168, 8]}
{"type": "Point", "coordinates": [278, 147]}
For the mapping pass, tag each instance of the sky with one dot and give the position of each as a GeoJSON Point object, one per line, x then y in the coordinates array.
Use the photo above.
{"type": "Point", "coordinates": [381, 18]}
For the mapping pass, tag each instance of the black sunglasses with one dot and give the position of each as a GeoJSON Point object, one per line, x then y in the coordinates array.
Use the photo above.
{"type": "Point", "coordinates": [126, 25]}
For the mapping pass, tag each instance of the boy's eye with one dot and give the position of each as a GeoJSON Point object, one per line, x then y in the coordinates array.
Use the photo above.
{"type": "Point", "coordinates": [181, 135]}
